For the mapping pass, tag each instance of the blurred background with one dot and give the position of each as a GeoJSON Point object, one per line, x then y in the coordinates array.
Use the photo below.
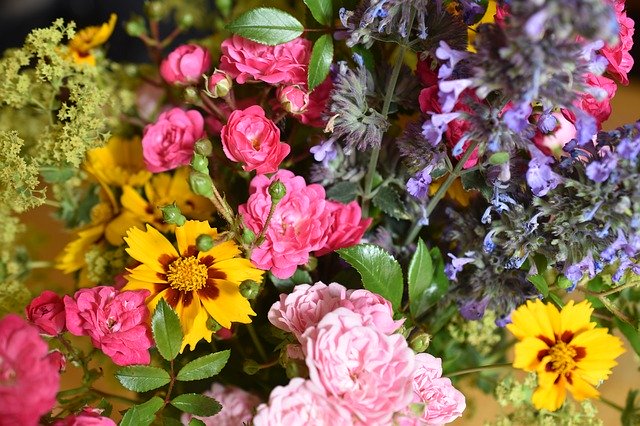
{"type": "Point", "coordinates": [18, 17]}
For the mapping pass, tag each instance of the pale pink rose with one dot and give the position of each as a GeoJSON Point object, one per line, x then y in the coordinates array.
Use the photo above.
{"type": "Point", "coordinates": [87, 417]}
{"type": "Point", "coordinates": [443, 403]}
{"type": "Point", "coordinates": [598, 109]}
{"type": "Point", "coordinates": [368, 370]}
{"type": "Point", "coordinates": [554, 141]}
{"type": "Point", "coordinates": [619, 56]}
{"type": "Point", "coordinates": [285, 63]}
{"type": "Point", "coordinates": [374, 309]}
{"type": "Point", "coordinates": [347, 226]}
{"type": "Point", "coordinates": [116, 322]}
{"type": "Point", "coordinates": [168, 143]}
{"type": "Point", "coordinates": [238, 407]}
{"type": "Point", "coordinates": [293, 99]}
{"type": "Point", "coordinates": [219, 84]}
{"type": "Point", "coordinates": [305, 306]}
{"type": "Point", "coordinates": [29, 379]}
{"type": "Point", "coordinates": [254, 140]}
{"type": "Point", "coordinates": [185, 64]}
{"type": "Point", "coordinates": [298, 227]}
{"type": "Point", "coordinates": [47, 313]}
{"type": "Point", "coordinates": [301, 402]}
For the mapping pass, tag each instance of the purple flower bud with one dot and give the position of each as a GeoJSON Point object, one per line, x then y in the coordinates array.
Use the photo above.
{"type": "Point", "coordinates": [473, 310]}
{"type": "Point", "coordinates": [535, 25]}
{"type": "Point", "coordinates": [540, 178]}
{"type": "Point", "coordinates": [547, 123]}
{"type": "Point", "coordinates": [599, 171]}
{"type": "Point", "coordinates": [517, 118]}
{"type": "Point", "coordinates": [629, 149]}
{"type": "Point", "coordinates": [586, 127]}
{"type": "Point", "coordinates": [325, 152]}
{"type": "Point", "coordinates": [449, 91]}
{"type": "Point", "coordinates": [457, 263]}
{"type": "Point", "coordinates": [434, 128]}
{"type": "Point", "coordinates": [451, 57]}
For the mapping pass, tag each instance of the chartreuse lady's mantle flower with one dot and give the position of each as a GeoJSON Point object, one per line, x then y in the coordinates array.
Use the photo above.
{"type": "Point", "coordinates": [196, 284]}
{"type": "Point", "coordinates": [89, 38]}
{"type": "Point", "coordinates": [566, 350]}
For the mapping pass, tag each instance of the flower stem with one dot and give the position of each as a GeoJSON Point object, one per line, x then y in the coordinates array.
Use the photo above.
{"type": "Point", "coordinates": [256, 342]}
{"type": "Point", "coordinates": [115, 397]}
{"type": "Point", "coordinates": [477, 369]}
{"type": "Point", "coordinates": [260, 239]}
{"type": "Point", "coordinates": [611, 404]}
{"type": "Point", "coordinates": [167, 398]}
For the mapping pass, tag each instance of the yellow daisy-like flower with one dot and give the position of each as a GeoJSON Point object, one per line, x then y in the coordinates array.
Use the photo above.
{"type": "Point", "coordinates": [196, 284]}
{"type": "Point", "coordinates": [118, 163]}
{"type": "Point", "coordinates": [89, 38]}
{"type": "Point", "coordinates": [566, 350]}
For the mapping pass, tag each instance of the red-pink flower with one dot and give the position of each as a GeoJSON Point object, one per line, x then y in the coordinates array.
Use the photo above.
{"type": "Point", "coordinates": [47, 313]}
{"type": "Point", "coordinates": [185, 64]}
{"type": "Point", "coordinates": [168, 143]}
{"type": "Point", "coordinates": [301, 402]}
{"type": "Point", "coordinates": [87, 417]}
{"type": "Point", "coordinates": [294, 99]}
{"type": "Point", "coordinates": [318, 99]}
{"type": "Point", "coordinates": [443, 403]}
{"type": "Point", "coordinates": [29, 379]}
{"type": "Point", "coordinates": [370, 372]}
{"type": "Point", "coordinates": [219, 84]}
{"type": "Point", "coordinates": [619, 56]}
{"type": "Point", "coordinates": [285, 63]}
{"type": "Point", "coordinates": [347, 226]}
{"type": "Point", "coordinates": [254, 140]}
{"type": "Point", "coordinates": [115, 321]}
{"type": "Point", "coordinates": [238, 407]}
{"type": "Point", "coordinates": [598, 109]}
{"type": "Point", "coordinates": [298, 227]}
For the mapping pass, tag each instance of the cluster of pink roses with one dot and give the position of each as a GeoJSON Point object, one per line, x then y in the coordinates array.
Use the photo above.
{"type": "Point", "coordinates": [361, 372]}
{"type": "Point", "coordinates": [303, 222]}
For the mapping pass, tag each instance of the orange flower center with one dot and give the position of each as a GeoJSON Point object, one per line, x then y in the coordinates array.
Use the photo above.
{"type": "Point", "coordinates": [187, 274]}
{"type": "Point", "coordinates": [562, 357]}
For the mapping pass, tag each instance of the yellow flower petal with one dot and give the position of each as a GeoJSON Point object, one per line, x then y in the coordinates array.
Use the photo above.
{"type": "Point", "coordinates": [134, 284]}
{"type": "Point", "coordinates": [552, 396]}
{"type": "Point", "coordinates": [146, 274]}
{"type": "Point", "coordinates": [193, 319]}
{"type": "Point", "coordinates": [230, 306]}
{"type": "Point", "coordinates": [239, 269]}
{"type": "Point", "coordinates": [532, 320]}
{"type": "Point", "coordinates": [526, 353]}
{"type": "Point", "coordinates": [149, 247]}
{"type": "Point", "coordinates": [90, 37]}
{"type": "Point", "coordinates": [581, 389]}
{"type": "Point", "coordinates": [577, 318]}
{"type": "Point", "coordinates": [72, 258]}
{"type": "Point", "coordinates": [226, 250]}
{"type": "Point", "coordinates": [116, 229]}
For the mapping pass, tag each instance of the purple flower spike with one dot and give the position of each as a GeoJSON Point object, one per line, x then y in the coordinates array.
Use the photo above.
{"type": "Point", "coordinates": [576, 271]}
{"type": "Point", "coordinates": [325, 152]}
{"type": "Point", "coordinates": [451, 57]}
{"type": "Point", "coordinates": [456, 265]}
{"type": "Point", "coordinates": [586, 127]}
{"type": "Point", "coordinates": [517, 118]}
{"type": "Point", "coordinates": [449, 91]}
{"type": "Point", "coordinates": [434, 128]}
{"type": "Point", "coordinates": [599, 171]}
{"type": "Point", "coordinates": [473, 310]}
{"type": "Point", "coordinates": [540, 178]}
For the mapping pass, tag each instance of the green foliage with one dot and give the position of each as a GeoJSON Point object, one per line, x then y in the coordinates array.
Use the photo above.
{"type": "Point", "coordinates": [143, 414]}
{"type": "Point", "coordinates": [195, 403]}
{"type": "Point", "coordinates": [18, 175]}
{"type": "Point", "coordinates": [344, 191]}
{"type": "Point", "coordinates": [204, 367]}
{"type": "Point", "coordinates": [266, 25]}
{"type": "Point", "coordinates": [14, 296]}
{"type": "Point", "coordinates": [321, 10]}
{"type": "Point", "coordinates": [299, 277]}
{"type": "Point", "coordinates": [166, 329]}
{"type": "Point", "coordinates": [196, 422]}
{"type": "Point", "coordinates": [388, 200]}
{"type": "Point", "coordinates": [380, 272]}
{"type": "Point", "coordinates": [427, 280]}
{"type": "Point", "coordinates": [321, 58]}
{"type": "Point", "coordinates": [631, 412]}
{"type": "Point", "coordinates": [142, 378]}
{"type": "Point", "coordinates": [540, 282]}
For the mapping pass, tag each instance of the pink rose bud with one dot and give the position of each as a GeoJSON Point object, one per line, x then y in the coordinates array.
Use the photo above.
{"type": "Point", "coordinates": [47, 313]}
{"type": "Point", "coordinates": [293, 99]}
{"type": "Point", "coordinates": [185, 64]}
{"type": "Point", "coordinates": [554, 141]}
{"type": "Point", "coordinates": [251, 138]}
{"type": "Point", "coordinates": [219, 84]}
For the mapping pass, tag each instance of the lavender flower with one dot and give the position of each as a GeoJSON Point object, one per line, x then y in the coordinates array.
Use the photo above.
{"type": "Point", "coordinates": [547, 123]}
{"type": "Point", "coordinates": [418, 186]}
{"type": "Point", "coordinates": [586, 127]}
{"type": "Point", "coordinates": [517, 118]}
{"type": "Point", "coordinates": [450, 57]}
{"type": "Point", "coordinates": [473, 310]}
{"type": "Point", "coordinates": [434, 128]}
{"type": "Point", "coordinates": [449, 91]}
{"type": "Point", "coordinates": [457, 263]}
{"type": "Point", "coordinates": [599, 171]}
{"type": "Point", "coordinates": [540, 178]}
{"type": "Point", "coordinates": [575, 272]}
{"type": "Point", "coordinates": [325, 152]}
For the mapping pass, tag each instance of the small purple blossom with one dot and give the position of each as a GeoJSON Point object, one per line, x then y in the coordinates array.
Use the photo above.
{"type": "Point", "coordinates": [599, 171]}
{"type": "Point", "coordinates": [451, 58]}
{"type": "Point", "coordinates": [473, 310]}
{"type": "Point", "coordinates": [457, 263]}
{"type": "Point", "coordinates": [609, 254]}
{"type": "Point", "coordinates": [540, 178]}
{"type": "Point", "coordinates": [325, 152]}
{"type": "Point", "coordinates": [436, 125]}
{"type": "Point", "coordinates": [547, 123]}
{"type": "Point", "coordinates": [517, 118]}
{"type": "Point", "coordinates": [503, 320]}
{"type": "Point", "coordinates": [535, 25]}
{"type": "Point", "coordinates": [586, 127]}
{"type": "Point", "coordinates": [449, 91]}
{"type": "Point", "coordinates": [575, 272]}
{"type": "Point", "coordinates": [629, 149]}
{"type": "Point", "coordinates": [418, 185]}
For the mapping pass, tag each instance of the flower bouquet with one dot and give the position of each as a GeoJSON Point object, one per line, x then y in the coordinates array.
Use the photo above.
{"type": "Point", "coordinates": [321, 213]}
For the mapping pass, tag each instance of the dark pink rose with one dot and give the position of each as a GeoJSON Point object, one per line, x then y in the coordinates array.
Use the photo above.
{"type": "Point", "coordinates": [619, 56]}
{"type": "Point", "coordinates": [219, 84]}
{"type": "Point", "coordinates": [47, 313]}
{"type": "Point", "coordinates": [115, 321]}
{"type": "Point", "coordinates": [298, 227]}
{"type": "Point", "coordinates": [598, 109]}
{"type": "Point", "coordinates": [318, 99]}
{"type": "Point", "coordinates": [29, 379]}
{"type": "Point", "coordinates": [59, 360]}
{"type": "Point", "coordinates": [254, 140]}
{"type": "Point", "coordinates": [87, 417]}
{"type": "Point", "coordinates": [293, 99]}
{"type": "Point", "coordinates": [185, 64]}
{"type": "Point", "coordinates": [168, 143]}
{"type": "Point", "coordinates": [285, 63]}
{"type": "Point", "coordinates": [347, 226]}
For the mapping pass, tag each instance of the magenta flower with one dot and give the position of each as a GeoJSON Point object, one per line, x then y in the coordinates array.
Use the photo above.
{"type": "Point", "coordinates": [185, 64]}
{"type": "Point", "coordinates": [347, 226]}
{"type": "Point", "coordinates": [47, 313]}
{"type": "Point", "coordinates": [619, 56]}
{"type": "Point", "coordinates": [115, 321]}
{"type": "Point", "coordinates": [29, 379]}
{"type": "Point", "coordinates": [87, 417]}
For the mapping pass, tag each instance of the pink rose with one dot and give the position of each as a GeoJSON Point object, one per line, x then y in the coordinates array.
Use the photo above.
{"type": "Point", "coordinates": [185, 64]}
{"type": "Point", "coordinates": [246, 60]}
{"type": "Point", "coordinates": [598, 109]}
{"type": "Point", "coordinates": [168, 143]}
{"type": "Point", "coordinates": [251, 138]}
{"type": "Point", "coordinates": [347, 226]}
{"type": "Point", "coordinates": [368, 370]}
{"type": "Point", "coordinates": [58, 359]}
{"type": "Point", "coordinates": [619, 56]}
{"type": "Point", "coordinates": [565, 131]}
{"type": "Point", "coordinates": [305, 306]}
{"type": "Point", "coordinates": [374, 309]}
{"type": "Point", "coordinates": [238, 406]}
{"type": "Point", "coordinates": [47, 313]}
{"type": "Point", "coordinates": [443, 403]}
{"type": "Point", "coordinates": [318, 100]}
{"type": "Point", "coordinates": [29, 379]}
{"type": "Point", "coordinates": [301, 403]}
{"type": "Point", "coordinates": [294, 99]}
{"type": "Point", "coordinates": [219, 84]}
{"type": "Point", "coordinates": [115, 321]}
{"type": "Point", "coordinates": [298, 227]}
{"type": "Point", "coordinates": [87, 417]}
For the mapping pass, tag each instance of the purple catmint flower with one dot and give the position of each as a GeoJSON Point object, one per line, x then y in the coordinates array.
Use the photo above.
{"type": "Point", "coordinates": [608, 254]}
{"type": "Point", "coordinates": [575, 272]}
{"type": "Point", "coordinates": [434, 128]}
{"type": "Point", "coordinates": [503, 320]}
{"type": "Point", "coordinates": [418, 186]}
{"type": "Point", "coordinates": [450, 57]}
{"type": "Point", "coordinates": [325, 152]}
{"type": "Point", "coordinates": [474, 309]}
{"type": "Point", "coordinates": [517, 118]}
{"type": "Point", "coordinates": [586, 127]}
{"type": "Point", "coordinates": [547, 123]}
{"type": "Point", "coordinates": [540, 178]}
{"type": "Point", "coordinates": [629, 149]}
{"type": "Point", "coordinates": [449, 91]}
{"type": "Point", "coordinates": [457, 263]}
{"type": "Point", "coordinates": [599, 171]}
{"type": "Point", "coordinates": [535, 25]}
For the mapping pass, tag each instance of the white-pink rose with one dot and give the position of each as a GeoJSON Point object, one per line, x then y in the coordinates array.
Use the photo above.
{"type": "Point", "coordinates": [374, 309]}
{"type": "Point", "coordinates": [238, 406]}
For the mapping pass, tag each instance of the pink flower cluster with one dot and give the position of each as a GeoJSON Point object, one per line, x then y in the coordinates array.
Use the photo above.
{"type": "Point", "coordinates": [185, 64]}
{"type": "Point", "coordinates": [29, 375]}
{"type": "Point", "coordinates": [619, 56]}
{"type": "Point", "coordinates": [238, 407]}
{"type": "Point", "coordinates": [360, 371]}
{"type": "Point", "coordinates": [114, 320]}
{"type": "Point", "coordinates": [303, 222]}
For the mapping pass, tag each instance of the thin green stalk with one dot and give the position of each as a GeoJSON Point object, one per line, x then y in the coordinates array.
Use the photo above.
{"type": "Point", "coordinates": [612, 404]}
{"type": "Point", "coordinates": [112, 396]}
{"type": "Point", "coordinates": [257, 343]}
{"type": "Point", "coordinates": [478, 369]}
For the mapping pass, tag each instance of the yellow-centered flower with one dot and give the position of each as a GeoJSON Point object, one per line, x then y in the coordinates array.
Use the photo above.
{"type": "Point", "coordinates": [89, 38]}
{"type": "Point", "coordinates": [567, 351]}
{"type": "Point", "coordinates": [196, 284]}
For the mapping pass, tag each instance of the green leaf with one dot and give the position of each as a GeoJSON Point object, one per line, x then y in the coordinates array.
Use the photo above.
{"type": "Point", "coordinates": [196, 422]}
{"type": "Point", "coordinates": [321, 58]}
{"type": "Point", "coordinates": [142, 414]}
{"type": "Point", "coordinates": [204, 367]}
{"type": "Point", "coordinates": [540, 283]}
{"type": "Point", "coordinates": [419, 279]}
{"type": "Point", "coordinates": [631, 412]}
{"type": "Point", "coordinates": [195, 403]}
{"type": "Point", "coordinates": [266, 25]}
{"type": "Point", "coordinates": [380, 272]}
{"type": "Point", "coordinates": [57, 174]}
{"type": "Point", "coordinates": [299, 277]}
{"type": "Point", "coordinates": [474, 181]}
{"type": "Point", "coordinates": [388, 200]}
{"type": "Point", "coordinates": [630, 332]}
{"type": "Point", "coordinates": [167, 333]}
{"type": "Point", "coordinates": [499, 158]}
{"type": "Point", "coordinates": [142, 378]}
{"type": "Point", "coordinates": [322, 10]}
{"type": "Point", "coordinates": [344, 191]}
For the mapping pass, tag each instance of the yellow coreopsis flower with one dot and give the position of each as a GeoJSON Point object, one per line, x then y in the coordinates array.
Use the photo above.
{"type": "Point", "coordinates": [196, 284]}
{"type": "Point", "coordinates": [118, 163]}
{"type": "Point", "coordinates": [565, 349]}
{"type": "Point", "coordinates": [89, 38]}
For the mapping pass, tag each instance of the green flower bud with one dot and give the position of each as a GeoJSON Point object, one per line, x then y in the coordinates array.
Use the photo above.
{"type": "Point", "coordinates": [204, 242]}
{"type": "Point", "coordinates": [200, 163]}
{"type": "Point", "coordinates": [250, 367]}
{"type": "Point", "coordinates": [248, 236]}
{"type": "Point", "coordinates": [218, 84]}
{"type": "Point", "coordinates": [420, 342]}
{"type": "Point", "coordinates": [185, 21]}
{"type": "Point", "coordinates": [203, 147]}
{"type": "Point", "coordinates": [201, 184]}
{"type": "Point", "coordinates": [155, 10]}
{"type": "Point", "coordinates": [213, 325]}
{"type": "Point", "coordinates": [172, 214]}
{"type": "Point", "coordinates": [249, 289]}
{"type": "Point", "coordinates": [277, 190]}
{"type": "Point", "coordinates": [136, 27]}
{"type": "Point", "coordinates": [191, 95]}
